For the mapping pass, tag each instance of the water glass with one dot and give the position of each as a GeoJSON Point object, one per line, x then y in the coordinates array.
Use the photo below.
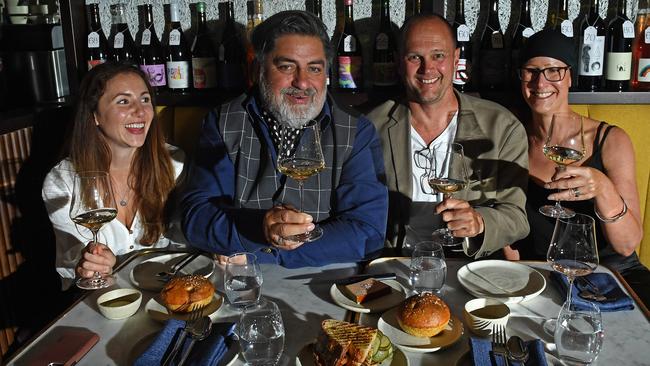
{"type": "Point", "coordinates": [242, 279]}
{"type": "Point", "coordinates": [261, 333]}
{"type": "Point", "coordinates": [428, 268]}
{"type": "Point", "coordinates": [579, 334]}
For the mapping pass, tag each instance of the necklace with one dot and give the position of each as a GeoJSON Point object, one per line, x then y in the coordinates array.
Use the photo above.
{"type": "Point", "coordinates": [123, 200]}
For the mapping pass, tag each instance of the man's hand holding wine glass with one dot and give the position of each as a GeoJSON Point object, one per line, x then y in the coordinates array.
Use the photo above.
{"type": "Point", "coordinates": [461, 218]}
{"type": "Point", "coordinates": [285, 221]}
{"type": "Point", "coordinates": [97, 258]}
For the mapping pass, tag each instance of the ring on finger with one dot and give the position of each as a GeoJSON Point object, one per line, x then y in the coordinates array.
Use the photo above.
{"type": "Point", "coordinates": [576, 192]}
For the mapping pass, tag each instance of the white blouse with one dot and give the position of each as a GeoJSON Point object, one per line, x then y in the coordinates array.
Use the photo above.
{"type": "Point", "coordinates": [71, 238]}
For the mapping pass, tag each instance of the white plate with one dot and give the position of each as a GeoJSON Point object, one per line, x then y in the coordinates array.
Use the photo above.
{"type": "Point", "coordinates": [506, 281]}
{"type": "Point", "coordinates": [377, 305]}
{"type": "Point", "coordinates": [143, 275]}
{"type": "Point", "coordinates": [306, 357]}
{"type": "Point", "coordinates": [390, 327]}
{"type": "Point", "coordinates": [158, 312]}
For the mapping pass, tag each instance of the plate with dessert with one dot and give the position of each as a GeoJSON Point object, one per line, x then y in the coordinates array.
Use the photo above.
{"type": "Point", "coordinates": [145, 275]}
{"type": "Point", "coordinates": [505, 281]}
{"type": "Point", "coordinates": [368, 296]}
{"type": "Point", "coordinates": [341, 342]}
{"type": "Point", "coordinates": [421, 323]}
{"type": "Point", "coordinates": [181, 295]}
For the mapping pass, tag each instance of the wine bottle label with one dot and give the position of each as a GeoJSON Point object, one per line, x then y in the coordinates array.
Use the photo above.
{"type": "Point", "coordinates": [493, 67]}
{"type": "Point", "coordinates": [619, 65]}
{"type": "Point", "coordinates": [628, 29]}
{"type": "Point", "coordinates": [497, 39]}
{"type": "Point", "coordinates": [146, 37]}
{"type": "Point", "coordinates": [384, 73]}
{"type": "Point", "coordinates": [156, 74]}
{"type": "Point", "coordinates": [350, 72]}
{"type": "Point", "coordinates": [178, 74]}
{"type": "Point", "coordinates": [349, 44]}
{"type": "Point", "coordinates": [566, 27]}
{"type": "Point", "coordinates": [174, 37]}
{"type": "Point", "coordinates": [461, 77]}
{"type": "Point", "coordinates": [527, 32]}
{"type": "Point", "coordinates": [381, 41]}
{"type": "Point", "coordinates": [644, 70]}
{"type": "Point", "coordinates": [592, 56]}
{"type": "Point", "coordinates": [462, 33]}
{"type": "Point", "coordinates": [118, 42]}
{"type": "Point", "coordinates": [204, 72]}
{"type": "Point", "coordinates": [93, 63]}
{"type": "Point", "coordinates": [222, 52]}
{"type": "Point", "coordinates": [93, 40]}
{"type": "Point", "coordinates": [647, 35]}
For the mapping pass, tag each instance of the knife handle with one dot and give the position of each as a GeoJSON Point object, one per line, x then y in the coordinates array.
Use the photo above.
{"type": "Point", "coordinates": [177, 346]}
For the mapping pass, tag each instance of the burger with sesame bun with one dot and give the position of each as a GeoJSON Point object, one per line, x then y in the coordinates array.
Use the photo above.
{"type": "Point", "coordinates": [423, 315]}
{"type": "Point", "coordinates": [185, 293]}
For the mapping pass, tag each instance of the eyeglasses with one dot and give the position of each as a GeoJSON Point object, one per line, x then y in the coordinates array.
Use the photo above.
{"type": "Point", "coordinates": [550, 73]}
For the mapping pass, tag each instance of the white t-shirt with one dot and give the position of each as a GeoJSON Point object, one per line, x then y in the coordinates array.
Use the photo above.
{"type": "Point", "coordinates": [421, 156]}
{"type": "Point", "coordinates": [71, 238]}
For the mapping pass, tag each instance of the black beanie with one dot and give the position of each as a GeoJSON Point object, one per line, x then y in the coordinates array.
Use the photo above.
{"type": "Point", "coordinates": [550, 43]}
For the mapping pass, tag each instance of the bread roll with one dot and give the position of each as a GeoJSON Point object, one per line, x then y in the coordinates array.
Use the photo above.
{"type": "Point", "coordinates": [423, 315]}
{"type": "Point", "coordinates": [183, 294]}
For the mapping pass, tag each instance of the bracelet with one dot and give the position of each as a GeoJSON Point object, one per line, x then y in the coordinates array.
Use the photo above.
{"type": "Point", "coordinates": [614, 218]}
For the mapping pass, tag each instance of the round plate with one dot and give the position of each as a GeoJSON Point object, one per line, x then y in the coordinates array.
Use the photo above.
{"type": "Point", "coordinates": [390, 327]}
{"type": "Point", "coordinates": [306, 357]}
{"type": "Point", "coordinates": [377, 305]}
{"type": "Point", "coordinates": [466, 360]}
{"type": "Point", "coordinates": [144, 275]}
{"type": "Point", "coordinates": [505, 281]}
{"type": "Point", "coordinates": [158, 312]}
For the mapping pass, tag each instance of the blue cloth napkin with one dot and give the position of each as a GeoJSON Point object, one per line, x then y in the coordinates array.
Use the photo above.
{"type": "Point", "coordinates": [482, 355]}
{"type": "Point", "coordinates": [205, 353]}
{"type": "Point", "coordinates": [617, 300]}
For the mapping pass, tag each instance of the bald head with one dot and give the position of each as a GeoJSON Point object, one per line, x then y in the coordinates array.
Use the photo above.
{"type": "Point", "coordinates": [422, 18]}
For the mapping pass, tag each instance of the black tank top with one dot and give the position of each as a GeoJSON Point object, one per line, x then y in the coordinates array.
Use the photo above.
{"type": "Point", "coordinates": [535, 245]}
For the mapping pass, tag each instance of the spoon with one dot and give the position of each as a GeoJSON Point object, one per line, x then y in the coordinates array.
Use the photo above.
{"type": "Point", "coordinates": [517, 350]}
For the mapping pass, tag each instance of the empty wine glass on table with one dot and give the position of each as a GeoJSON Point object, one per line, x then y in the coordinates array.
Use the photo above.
{"type": "Point", "coordinates": [447, 175]}
{"type": "Point", "coordinates": [572, 251]}
{"type": "Point", "coordinates": [93, 205]}
{"type": "Point", "coordinates": [300, 156]}
{"type": "Point", "coordinates": [564, 145]}
{"type": "Point", "coordinates": [579, 333]}
{"type": "Point", "coordinates": [261, 334]}
{"type": "Point", "coordinates": [428, 269]}
{"type": "Point", "coordinates": [242, 280]}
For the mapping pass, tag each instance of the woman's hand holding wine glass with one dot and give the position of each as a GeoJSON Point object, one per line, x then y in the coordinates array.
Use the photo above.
{"type": "Point", "coordinates": [93, 205]}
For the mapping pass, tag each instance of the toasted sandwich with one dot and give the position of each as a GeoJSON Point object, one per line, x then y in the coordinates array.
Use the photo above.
{"type": "Point", "coordinates": [341, 343]}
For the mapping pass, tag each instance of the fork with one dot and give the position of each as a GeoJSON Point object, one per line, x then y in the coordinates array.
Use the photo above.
{"type": "Point", "coordinates": [195, 315]}
{"type": "Point", "coordinates": [499, 342]}
{"type": "Point", "coordinates": [199, 330]}
{"type": "Point", "coordinates": [166, 275]}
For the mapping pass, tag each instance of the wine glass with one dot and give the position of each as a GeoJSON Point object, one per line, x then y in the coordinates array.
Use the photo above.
{"type": "Point", "coordinates": [300, 157]}
{"type": "Point", "coordinates": [261, 333]}
{"type": "Point", "coordinates": [428, 269]}
{"type": "Point", "coordinates": [579, 333]}
{"type": "Point", "coordinates": [242, 279]}
{"type": "Point", "coordinates": [93, 205]}
{"type": "Point", "coordinates": [573, 250]}
{"type": "Point", "coordinates": [564, 145]}
{"type": "Point", "coordinates": [447, 175]}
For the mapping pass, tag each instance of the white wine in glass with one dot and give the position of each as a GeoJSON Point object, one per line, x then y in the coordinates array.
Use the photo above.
{"type": "Point", "coordinates": [564, 145]}
{"type": "Point", "coordinates": [92, 206]}
{"type": "Point", "coordinates": [300, 156]}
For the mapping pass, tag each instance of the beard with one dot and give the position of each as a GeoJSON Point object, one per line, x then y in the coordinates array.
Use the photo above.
{"type": "Point", "coordinates": [295, 116]}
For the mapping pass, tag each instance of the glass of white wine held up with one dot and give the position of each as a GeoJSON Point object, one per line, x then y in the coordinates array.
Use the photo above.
{"type": "Point", "coordinates": [564, 145]}
{"type": "Point", "coordinates": [300, 156]}
{"type": "Point", "coordinates": [92, 206]}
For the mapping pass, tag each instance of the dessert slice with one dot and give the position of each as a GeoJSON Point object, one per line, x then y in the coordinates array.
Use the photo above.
{"type": "Point", "coordinates": [365, 290]}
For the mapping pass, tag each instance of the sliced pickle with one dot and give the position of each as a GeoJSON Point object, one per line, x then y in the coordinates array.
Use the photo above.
{"type": "Point", "coordinates": [379, 356]}
{"type": "Point", "coordinates": [385, 343]}
{"type": "Point", "coordinates": [374, 346]}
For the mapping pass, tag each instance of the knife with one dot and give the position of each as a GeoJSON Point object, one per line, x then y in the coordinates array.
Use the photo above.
{"type": "Point", "coordinates": [357, 278]}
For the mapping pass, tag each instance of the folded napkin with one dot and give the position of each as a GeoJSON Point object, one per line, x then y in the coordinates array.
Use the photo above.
{"type": "Point", "coordinates": [482, 355]}
{"type": "Point", "coordinates": [206, 352]}
{"type": "Point", "coordinates": [617, 300]}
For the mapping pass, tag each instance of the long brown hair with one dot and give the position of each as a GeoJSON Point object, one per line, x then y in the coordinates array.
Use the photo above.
{"type": "Point", "coordinates": [151, 175]}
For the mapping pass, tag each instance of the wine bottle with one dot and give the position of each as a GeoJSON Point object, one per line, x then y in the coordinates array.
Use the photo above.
{"type": "Point", "coordinates": [618, 55]}
{"type": "Point", "coordinates": [562, 22]}
{"type": "Point", "coordinates": [97, 43]}
{"type": "Point", "coordinates": [463, 70]}
{"type": "Point", "coordinates": [551, 14]}
{"type": "Point", "coordinates": [493, 58]}
{"type": "Point", "coordinates": [178, 58]}
{"type": "Point", "coordinates": [384, 54]}
{"type": "Point", "coordinates": [121, 42]}
{"type": "Point", "coordinates": [232, 58]}
{"type": "Point", "coordinates": [152, 61]}
{"type": "Point", "coordinates": [523, 31]}
{"type": "Point", "coordinates": [255, 17]}
{"type": "Point", "coordinates": [204, 57]}
{"type": "Point", "coordinates": [413, 7]}
{"type": "Point", "coordinates": [349, 55]}
{"type": "Point", "coordinates": [592, 50]}
{"type": "Point", "coordinates": [317, 9]}
{"type": "Point", "coordinates": [641, 48]}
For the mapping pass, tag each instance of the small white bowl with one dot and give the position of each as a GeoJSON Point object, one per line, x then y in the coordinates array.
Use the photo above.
{"type": "Point", "coordinates": [120, 303]}
{"type": "Point", "coordinates": [482, 314]}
